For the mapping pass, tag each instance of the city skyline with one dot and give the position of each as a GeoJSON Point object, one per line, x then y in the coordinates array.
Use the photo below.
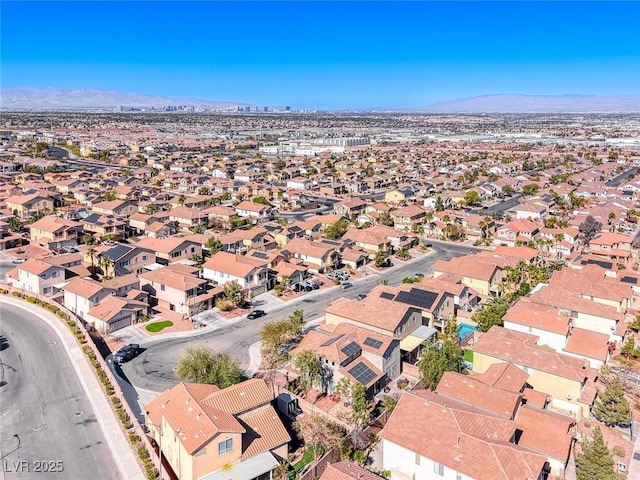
{"type": "Point", "coordinates": [333, 55]}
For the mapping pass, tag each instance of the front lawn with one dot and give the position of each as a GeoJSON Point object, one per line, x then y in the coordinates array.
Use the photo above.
{"type": "Point", "coordinates": [306, 458]}
{"type": "Point", "coordinates": [156, 327]}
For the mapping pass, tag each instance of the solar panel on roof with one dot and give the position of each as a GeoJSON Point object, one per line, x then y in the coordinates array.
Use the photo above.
{"type": "Point", "coordinates": [332, 340]}
{"type": "Point", "coordinates": [362, 373]}
{"type": "Point", "coordinates": [629, 280]}
{"type": "Point", "coordinates": [117, 251]}
{"type": "Point", "coordinates": [351, 349]}
{"type": "Point", "coordinates": [417, 297]}
{"type": "Point", "coordinates": [261, 255]}
{"type": "Point", "coordinates": [331, 242]}
{"type": "Point", "coordinates": [387, 295]}
{"type": "Point", "coordinates": [372, 342]}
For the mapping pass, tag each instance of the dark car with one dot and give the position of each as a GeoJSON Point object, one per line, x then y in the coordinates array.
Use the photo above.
{"type": "Point", "coordinates": [126, 353]}
{"type": "Point", "coordinates": [256, 314]}
{"type": "Point", "coordinates": [345, 285]}
{"type": "Point", "coordinates": [362, 296]}
{"type": "Point", "coordinates": [428, 245]}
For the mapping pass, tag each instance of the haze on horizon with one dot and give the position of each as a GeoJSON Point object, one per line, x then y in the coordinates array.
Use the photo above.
{"type": "Point", "coordinates": [333, 55]}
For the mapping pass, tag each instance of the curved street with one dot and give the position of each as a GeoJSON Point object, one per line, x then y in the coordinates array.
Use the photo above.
{"type": "Point", "coordinates": [152, 370]}
{"type": "Point", "coordinates": [45, 415]}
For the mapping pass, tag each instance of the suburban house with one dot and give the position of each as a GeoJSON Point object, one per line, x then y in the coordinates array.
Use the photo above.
{"type": "Point", "coordinates": [352, 206]}
{"type": "Point", "coordinates": [347, 470]}
{"type": "Point", "coordinates": [531, 211]}
{"type": "Point", "coordinates": [82, 294]}
{"type": "Point", "coordinates": [209, 433]}
{"type": "Point", "coordinates": [317, 256]}
{"type": "Point", "coordinates": [378, 314]}
{"type": "Point", "coordinates": [189, 218]}
{"type": "Point", "coordinates": [355, 353]}
{"type": "Point", "coordinates": [28, 205]}
{"type": "Point", "coordinates": [517, 231]}
{"type": "Point", "coordinates": [467, 443]}
{"type": "Point", "coordinates": [406, 218]}
{"type": "Point", "coordinates": [614, 246]}
{"type": "Point", "coordinates": [114, 313]}
{"type": "Point", "coordinates": [255, 211]}
{"type": "Point", "coordinates": [37, 276]}
{"type": "Point", "coordinates": [479, 273]}
{"type": "Point", "coordinates": [55, 232]}
{"type": "Point", "coordinates": [368, 240]}
{"type": "Point", "coordinates": [248, 271]}
{"type": "Point", "coordinates": [178, 288]}
{"type": "Point", "coordinates": [117, 208]}
{"type": "Point", "coordinates": [569, 381]}
{"type": "Point", "coordinates": [104, 226]}
{"type": "Point", "coordinates": [125, 259]}
{"type": "Point", "coordinates": [170, 249]}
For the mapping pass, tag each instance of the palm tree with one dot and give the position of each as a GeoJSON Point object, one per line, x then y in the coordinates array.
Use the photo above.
{"type": "Point", "coordinates": [558, 237]}
{"type": "Point", "coordinates": [91, 253]}
{"type": "Point", "coordinates": [106, 263]}
{"type": "Point", "coordinates": [428, 217]}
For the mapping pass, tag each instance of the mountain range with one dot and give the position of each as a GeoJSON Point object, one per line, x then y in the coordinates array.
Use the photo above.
{"type": "Point", "coordinates": [58, 99]}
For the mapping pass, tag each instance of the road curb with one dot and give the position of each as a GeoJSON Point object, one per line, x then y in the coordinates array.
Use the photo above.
{"type": "Point", "coordinates": [126, 461]}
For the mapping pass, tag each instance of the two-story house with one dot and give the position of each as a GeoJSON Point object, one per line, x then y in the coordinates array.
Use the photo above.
{"type": "Point", "coordinates": [82, 294]}
{"type": "Point", "coordinates": [226, 267]}
{"type": "Point", "coordinates": [55, 232]}
{"type": "Point", "coordinates": [218, 434]}
{"type": "Point", "coordinates": [317, 256]}
{"type": "Point", "coordinates": [170, 249]}
{"type": "Point", "coordinates": [255, 211]}
{"type": "Point", "coordinates": [37, 276]}
{"type": "Point", "coordinates": [358, 354]}
{"type": "Point", "coordinates": [178, 288]}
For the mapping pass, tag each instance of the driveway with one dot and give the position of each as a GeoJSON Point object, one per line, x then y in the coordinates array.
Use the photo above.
{"type": "Point", "coordinates": [153, 369]}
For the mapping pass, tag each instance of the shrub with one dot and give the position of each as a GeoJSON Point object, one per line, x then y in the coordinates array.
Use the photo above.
{"type": "Point", "coordinates": [142, 453]}
{"type": "Point", "coordinates": [223, 305]}
{"type": "Point", "coordinates": [618, 451]}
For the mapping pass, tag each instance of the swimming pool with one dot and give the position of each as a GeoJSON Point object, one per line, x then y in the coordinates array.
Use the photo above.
{"type": "Point", "coordinates": [465, 330]}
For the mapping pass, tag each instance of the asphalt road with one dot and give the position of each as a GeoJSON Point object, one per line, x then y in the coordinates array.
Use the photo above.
{"type": "Point", "coordinates": [503, 206]}
{"type": "Point", "coordinates": [45, 415]}
{"type": "Point", "coordinates": [153, 369]}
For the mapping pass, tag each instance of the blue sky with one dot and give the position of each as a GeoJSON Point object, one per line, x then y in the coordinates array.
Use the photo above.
{"type": "Point", "coordinates": [329, 54]}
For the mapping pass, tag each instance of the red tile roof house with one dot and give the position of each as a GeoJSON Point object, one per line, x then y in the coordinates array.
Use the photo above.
{"type": "Point", "coordinates": [82, 294]}
{"type": "Point", "coordinates": [226, 267]}
{"type": "Point", "coordinates": [171, 249]}
{"type": "Point", "coordinates": [569, 381]}
{"type": "Point", "coordinates": [114, 313]}
{"type": "Point", "coordinates": [255, 211]}
{"type": "Point", "coordinates": [347, 470]}
{"type": "Point", "coordinates": [178, 288]}
{"type": "Point", "coordinates": [55, 232]}
{"type": "Point", "coordinates": [510, 233]}
{"type": "Point", "coordinates": [352, 206]}
{"type": "Point", "coordinates": [37, 276]}
{"type": "Point", "coordinates": [211, 434]}
{"type": "Point", "coordinates": [348, 351]}
{"type": "Point", "coordinates": [188, 218]}
{"type": "Point", "coordinates": [429, 436]}
{"type": "Point", "coordinates": [318, 257]}
{"type": "Point", "coordinates": [406, 217]}
{"type": "Point", "coordinates": [615, 246]}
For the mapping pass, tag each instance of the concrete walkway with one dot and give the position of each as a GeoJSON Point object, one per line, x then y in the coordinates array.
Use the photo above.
{"type": "Point", "coordinates": [124, 456]}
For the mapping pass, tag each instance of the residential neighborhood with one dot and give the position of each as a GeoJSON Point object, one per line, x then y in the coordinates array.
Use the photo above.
{"type": "Point", "coordinates": [398, 305]}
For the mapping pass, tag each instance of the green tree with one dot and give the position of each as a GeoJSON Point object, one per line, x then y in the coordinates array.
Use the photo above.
{"type": "Point", "coordinates": [200, 365]}
{"type": "Point", "coordinates": [110, 196]}
{"type": "Point", "coordinates": [381, 258]}
{"type": "Point", "coordinates": [438, 358]}
{"type": "Point", "coordinates": [308, 364]}
{"type": "Point", "coordinates": [589, 228]}
{"type": "Point", "coordinates": [403, 254]}
{"type": "Point", "coordinates": [361, 408]}
{"type": "Point", "coordinates": [203, 191]}
{"type": "Point", "coordinates": [261, 200]}
{"type": "Point", "coordinates": [595, 461]}
{"type": "Point", "coordinates": [472, 198]}
{"type": "Point", "coordinates": [491, 314]}
{"type": "Point", "coordinates": [337, 229]}
{"type": "Point", "coordinates": [611, 407]}
{"type": "Point", "coordinates": [198, 228]}
{"type": "Point", "coordinates": [530, 189]}
{"type": "Point", "coordinates": [439, 205]}
{"type": "Point", "coordinates": [318, 431]}
{"type": "Point", "coordinates": [389, 402]}
{"type": "Point", "coordinates": [635, 324]}
{"type": "Point", "coordinates": [385, 218]}
{"type": "Point", "coordinates": [91, 253]}
{"type": "Point", "coordinates": [151, 208]}
{"type": "Point", "coordinates": [15, 225]}
{"type": "Point", "coordinates": [106, 264]}
{"type": "Point", "coordinates": [233, 293]}
{"type": "Point", "coordinates": [181, 200]}
{"type": "Point", "coordinates": [213, 245]}
{"type": "Point", "coordinates": [508, 190]}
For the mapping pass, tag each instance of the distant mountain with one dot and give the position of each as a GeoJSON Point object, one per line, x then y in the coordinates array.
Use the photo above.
{"type": "Point", "coordinates": [58, 99]}
{"type": "Point", "coordinates": [516, 103]}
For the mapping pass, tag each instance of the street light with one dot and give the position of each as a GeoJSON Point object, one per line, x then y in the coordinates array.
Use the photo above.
{"type": "Point", "coordinates": [159, 427]}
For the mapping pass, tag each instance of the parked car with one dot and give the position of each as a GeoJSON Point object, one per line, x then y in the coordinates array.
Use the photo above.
{"type": "Point", "coordinates": [68, 249]}
{"type": "Point", "coordinates": [361, 296]}
{"type": "Point", "coordinates": [418, 275]}
{"type": "Point", "coordinates": [126, 353]}
{"type": "Point", "coordinates": [345, 285]}
{"type": "Point", "coordinates": [256, 314]}
{"type": "Point", "coordinates": [18, 260]}
{"type": "Point", "coordinates": [428, 245]}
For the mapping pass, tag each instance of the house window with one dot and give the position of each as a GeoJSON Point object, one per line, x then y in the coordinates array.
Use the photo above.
{"type": "Point", "coordinates": [144, 258]}
{"type": "Point", "coordinates": [162, 287]}
{"type": "Point", "coordinates": [458, 476]}
{"type": "Point", "coordinates": [226, 446]}
{"type": "Point", "coordinates": [438, 469]}
{"type": "Point", "coordinates": [55, 274]}
{"type": "Point", "coordinates": [46, 290]}
{"type": "Point", "coordinates": [417, 459]}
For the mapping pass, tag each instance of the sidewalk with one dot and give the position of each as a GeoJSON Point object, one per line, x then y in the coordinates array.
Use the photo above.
{"type": "Point", "coordinates": [126, 461]}
{"type": "Point", "coordinates": [633, 468]}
